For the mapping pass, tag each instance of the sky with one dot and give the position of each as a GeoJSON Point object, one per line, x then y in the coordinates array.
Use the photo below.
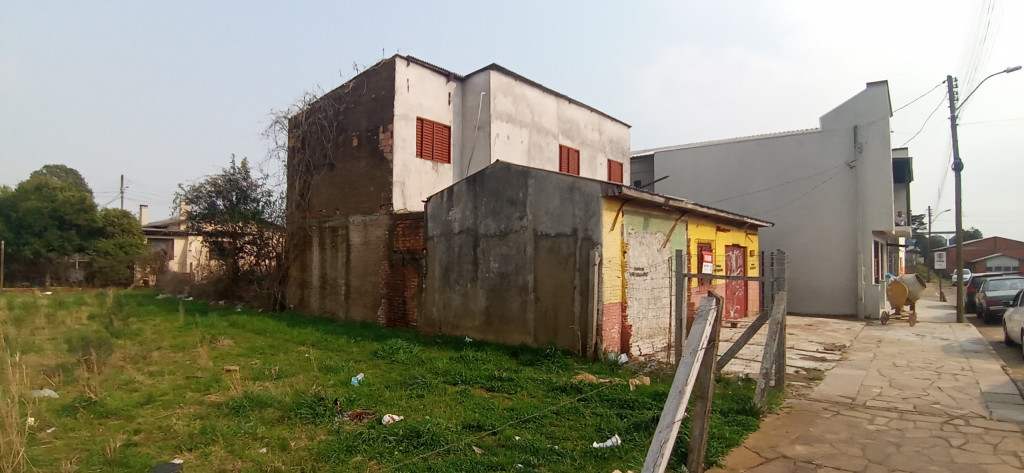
{"type": "Point", "coordinates": [165, 92]}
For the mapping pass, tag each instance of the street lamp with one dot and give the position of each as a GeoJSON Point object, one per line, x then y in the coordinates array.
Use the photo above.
{"type": "Point", "coordinates": [958, 167]}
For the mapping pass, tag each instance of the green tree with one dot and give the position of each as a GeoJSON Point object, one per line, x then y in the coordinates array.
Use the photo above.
{"type": "Point", "coordinates": [70, 177]}
{"type": "Point", "coordinates": [969, 234]}
{"type": "Point", "coordinates": [47, 218]}
{"type": "Point", "coordinates": [120, 249]}
{"type": "Point", "coordinates": [239, 216]}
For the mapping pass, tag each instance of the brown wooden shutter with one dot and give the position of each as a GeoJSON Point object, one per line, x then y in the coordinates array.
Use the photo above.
{"type": "Point", "coordinates": [568, 160]}
{"type": "Point", "coordinates": [614, 171]}
{"type": "Point", "coordinates": [442, 143]}
{"type": "Point", "coordinates": [433, 141]}
{"type": "Point", "coordinates": [419, 138]}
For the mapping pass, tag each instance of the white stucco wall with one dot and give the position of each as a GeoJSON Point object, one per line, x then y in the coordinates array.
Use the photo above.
{"type": "Point", "coordinates": [825, 194]}
{"type": "Point", "coordinates": [422, 92]}
{"type": "Point", "coordinates": [1001, 262]}
{"type": "Point", "coordinates": [528, 124]}
{"type": "Point", "coordinates": [518, 122]}
{"type": "Point", "coordinates": [476, 126]}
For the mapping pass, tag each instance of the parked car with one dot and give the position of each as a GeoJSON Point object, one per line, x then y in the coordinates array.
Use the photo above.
{"type": "Point", "coordinates": [971, 289]}
{"type": "Point", "coordinates": [1013, 321]}
{"type": "Point", "coordinates": [966, 274]}
{"type": "Point", "coordinates": [994, 292]}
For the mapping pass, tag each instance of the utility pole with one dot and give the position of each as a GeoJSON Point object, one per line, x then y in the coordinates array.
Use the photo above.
{"type": "Point", "coordinates": [2, 251]}
{"type": "Point", "coordinates": [122, 191]}
{"type": "Point", "coordinates": [958, 166]}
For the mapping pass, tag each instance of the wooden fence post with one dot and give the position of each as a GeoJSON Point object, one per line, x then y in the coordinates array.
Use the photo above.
{"type": "Point", "coordinates": [780, 354]}
{"type": "Point", "coordinates": [682, 296]}
{"type": "Point", "coordinates": [682, 385]}
{"type": "Point", "coordinates": [704, 392]}
{"type": "Point", "coordinates": [770, 349]}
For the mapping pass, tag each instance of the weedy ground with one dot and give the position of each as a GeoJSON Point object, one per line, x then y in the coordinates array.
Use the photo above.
{"type": "Point", "coordinates": [143, 381]}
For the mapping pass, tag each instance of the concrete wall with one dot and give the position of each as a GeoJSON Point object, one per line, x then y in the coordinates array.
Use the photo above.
{"type": "Point", "coordinates": [427, 93]}
{"type": "Point", "coordinates": [510, 258]}
{"type": "Point", "coordinates": [528, 124]}
{"type": "Point", "coordinates": [642, 169]}
{"type": "Point", "coordinates": [826, 191]}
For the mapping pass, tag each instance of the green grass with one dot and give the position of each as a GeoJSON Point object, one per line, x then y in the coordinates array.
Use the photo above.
{"type": "Point", "coordinates": [159, 391]}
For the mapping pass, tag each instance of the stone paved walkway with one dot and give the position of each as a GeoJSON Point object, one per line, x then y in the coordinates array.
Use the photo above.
{"type": "Point", "coordinates": [928, 398]}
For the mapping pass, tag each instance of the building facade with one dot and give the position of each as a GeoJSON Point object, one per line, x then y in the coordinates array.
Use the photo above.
{"type": "Point", "coordinates": [364, 157]}
{"type": "Point", "coordinates": [832, 193]}
{"type": "Point", "coordinates": [185, 251]}
{"type": "Point", "coordinates": [521, 255]}
{"type": "Point", "coordinates": [988, 254]}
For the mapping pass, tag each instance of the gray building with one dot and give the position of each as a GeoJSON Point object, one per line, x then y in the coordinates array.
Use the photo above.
{"type": "Point", "coordinates": [838, 194]}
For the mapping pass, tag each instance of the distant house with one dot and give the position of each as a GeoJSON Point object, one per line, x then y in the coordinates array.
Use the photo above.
{"type": "Point", "coordinates": [523, 255]}
{"type": "Point", "coordinates": [363, 158]}
{"type": "Point", "coordinates": [986, 255]}
{"type": "Point", "coordinates": [185, 251]}
{"type": "Point", "coordinates": [838, 194]}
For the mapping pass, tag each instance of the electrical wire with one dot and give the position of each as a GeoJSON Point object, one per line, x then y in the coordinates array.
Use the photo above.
{"type": "Point", "coordinates": [991, 121]}
{"type": "Point", "coordinates": [930, 115]}
{"type": "Point", "coordinates": [940, 84]}
{"type": "Point", "coordinates": [777, 185]}
{"type": "Point", "coordinates": [801, 195]}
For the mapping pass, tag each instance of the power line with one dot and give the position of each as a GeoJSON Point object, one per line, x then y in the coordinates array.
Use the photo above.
{"type": "Point", "coordinates": [930, 115]}
{"type": "Point", "coordinates": [991, 121]}
{"type": "Point", "coordinates": [801, 195]}
{"type": "Point", "coordinates": [777, 185]}
{"type": "Point", "coordinates": [940, 84]}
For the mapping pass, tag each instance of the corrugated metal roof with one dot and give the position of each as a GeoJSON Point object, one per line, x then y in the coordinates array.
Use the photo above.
{"type": "Point", "coordinates": [701, 144]}
{"type": "Point", "coordinates": [615, 189]}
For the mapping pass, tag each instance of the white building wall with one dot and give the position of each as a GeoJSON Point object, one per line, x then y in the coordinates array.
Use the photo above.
{"type": "Point", "coordinates": [825, 194]}
{"type": "Point", "coordinates": [528, 124]}
{"type": "Point", "coordinates": [1004, 263]}
{"type": "Point", "coordinates": [422, 92]}
{"type": "Point", "coordinates": [476, 126]}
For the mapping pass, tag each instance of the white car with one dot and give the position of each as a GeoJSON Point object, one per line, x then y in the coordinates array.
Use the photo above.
{"type": "Point", "coordinates": [1013, 321]}
{"type": "Point", "coordinates": [966, 273]}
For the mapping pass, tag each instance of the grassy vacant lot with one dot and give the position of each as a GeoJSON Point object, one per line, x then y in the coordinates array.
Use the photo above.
{"type": "Point", "coordinates": [142, 381]}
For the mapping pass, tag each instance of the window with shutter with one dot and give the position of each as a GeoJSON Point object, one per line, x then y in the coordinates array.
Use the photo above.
{"type": "Point", "coordinates": [568, 160]}
{"type": "Point", "coordinates": [433, 141]}
{"type": "Point", "coordinates": [614, 171]}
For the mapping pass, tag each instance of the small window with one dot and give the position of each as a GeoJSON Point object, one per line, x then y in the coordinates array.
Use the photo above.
{"type": "Point", "coordinates": [568, 160]}
{"type": "Point", "coordinates": [433, 141]}
{"type": "Point", "coordinates": [877, 255]}
{"type": "Point", "coordinates": [614, 171]}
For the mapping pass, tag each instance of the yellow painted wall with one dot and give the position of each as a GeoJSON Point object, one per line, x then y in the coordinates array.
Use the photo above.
{"type": "Point", "coordinates": [704, 229]}
{"type": "Point", "coordinates": [612, 252]}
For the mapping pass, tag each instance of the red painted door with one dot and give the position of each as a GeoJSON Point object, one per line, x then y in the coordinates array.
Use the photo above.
{"type": "Point", "coordinates": [735, 291]}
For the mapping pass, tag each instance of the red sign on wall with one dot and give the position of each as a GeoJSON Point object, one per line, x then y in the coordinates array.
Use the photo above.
{"type": "Point", "coordinates": [707, 265]}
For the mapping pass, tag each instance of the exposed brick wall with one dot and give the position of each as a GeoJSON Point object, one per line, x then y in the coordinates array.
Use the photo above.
{"type": "Point", "coordinates": [402, 285]}
{"type": "Point", "coordinates": [385, 140]}
{"type": "Point", "coordinates": [612, 326]}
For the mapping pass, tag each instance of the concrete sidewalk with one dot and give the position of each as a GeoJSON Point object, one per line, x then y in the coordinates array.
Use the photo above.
{"type": "Point", "coordinates": [928, 398]}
